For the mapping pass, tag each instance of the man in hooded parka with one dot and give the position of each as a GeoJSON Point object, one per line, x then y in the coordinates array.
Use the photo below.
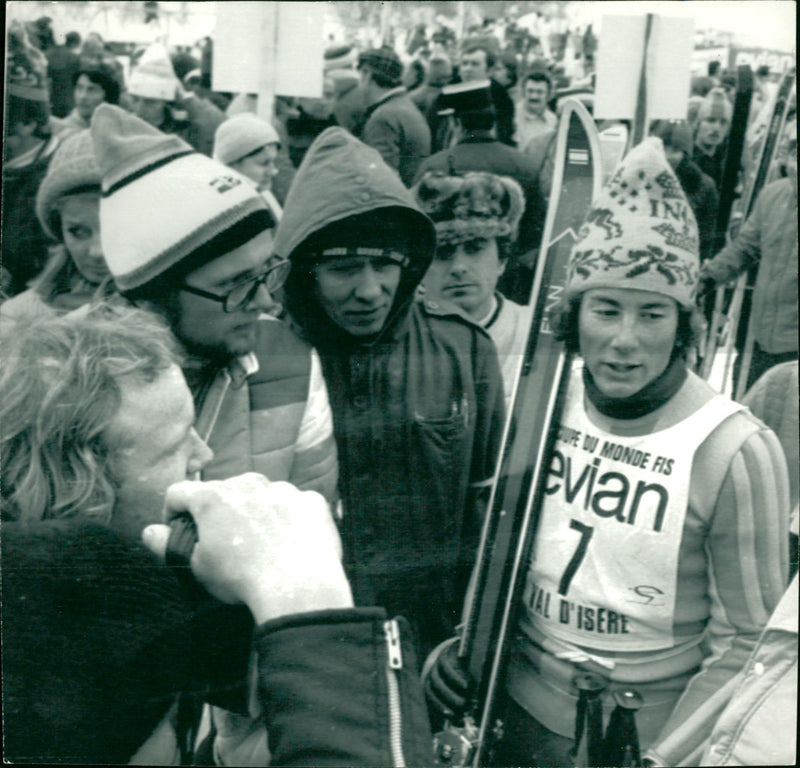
{"type": "Point", "coordinates": [415, 387]}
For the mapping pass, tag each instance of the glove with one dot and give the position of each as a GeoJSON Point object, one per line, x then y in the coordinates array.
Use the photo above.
{"type": "Point", "coordinates": [448, 686]}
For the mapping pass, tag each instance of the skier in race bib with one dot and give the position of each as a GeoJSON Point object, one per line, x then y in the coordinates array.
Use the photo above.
{"type": "Point", "coordinates": [661, 547]}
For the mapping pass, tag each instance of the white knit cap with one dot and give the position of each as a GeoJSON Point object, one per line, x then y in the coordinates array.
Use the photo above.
{"type": "Point", "coordinates": [241, 135]}
{"type": "Point", "coordinates": [164, 205]}
{"type": "Point", "coordinates": [154, 77]}
{"type": "Point", "coordinates": [640, 232]}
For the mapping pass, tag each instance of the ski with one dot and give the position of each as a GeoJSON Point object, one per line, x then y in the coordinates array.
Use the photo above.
{"type": "Point", "coordinates": [517, 489]}
{"type": "Point", "coordinates": [730, 176]}
{"type": "Point", "coordinates": [728, 328]}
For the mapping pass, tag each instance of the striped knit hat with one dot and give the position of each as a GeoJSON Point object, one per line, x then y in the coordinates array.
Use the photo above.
{"type": "Point", "coordinates": [640, 233]}
{"type": "Point", "coordinates": [166, 208]}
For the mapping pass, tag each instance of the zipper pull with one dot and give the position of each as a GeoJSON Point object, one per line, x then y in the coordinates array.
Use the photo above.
{"type": "Point", "coordinates": [393, 644]}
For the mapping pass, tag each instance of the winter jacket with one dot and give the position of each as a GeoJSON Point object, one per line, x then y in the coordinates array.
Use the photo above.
{"type": "Point", "coordinates": [768, 238]}
{"type": "Point", "coordinates": [268, 412]}
{"type": "Point", "coordinates": [759, 726]}
{"type": "Point", "coordinates": [395, 127]}
{"type": "Point", "coordinates": [23, 252]}
{"type": "Point", "coordinates": [702, 195]}
{"type": "Point", "coordinates": [87, 678]}
{"type": "Point", "coordinates": [417, 411]}
{"type": "Point", "coordinates": [202, 118]}
{"type": "Point", "coordinates": [337, 690]}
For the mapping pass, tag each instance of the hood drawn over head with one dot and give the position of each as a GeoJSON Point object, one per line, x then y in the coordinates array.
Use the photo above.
{"type": "Point", "coordinates": [341, 178]}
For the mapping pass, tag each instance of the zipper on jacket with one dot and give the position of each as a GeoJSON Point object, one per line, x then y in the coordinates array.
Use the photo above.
{"type": "Point", "coordinates": [395, 658]}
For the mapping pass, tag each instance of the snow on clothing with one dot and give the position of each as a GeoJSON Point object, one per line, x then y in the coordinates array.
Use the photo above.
{"type": "Point", "coordinates": [759, 726]}
{"type": "Point", "coordinates": [268, 412]}
{"type": "Point", "coordinates": [395, 127]}
{"type": "Point", "coordinates": [702, 538]}
{"type": "Point", "coordinates": [768, 238]}
{"type": "Point", "coordinates": [418, 411]}
{"type": "Point", "coordinates": [24, 244]}
{"type": "Point", "coordinates": [508, 324]}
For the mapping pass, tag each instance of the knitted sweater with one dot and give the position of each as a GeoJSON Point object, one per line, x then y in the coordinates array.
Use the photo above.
{"type": "Point", "coordinates": [669, 600]}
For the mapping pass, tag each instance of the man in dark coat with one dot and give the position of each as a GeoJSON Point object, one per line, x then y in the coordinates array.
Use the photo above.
{"type": "Point", "coordinates": [394, 125]}
{"type": "Point", "coordinates": [415, 387]}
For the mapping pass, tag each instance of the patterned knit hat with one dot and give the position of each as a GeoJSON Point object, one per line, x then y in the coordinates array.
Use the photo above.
{"type": "Point", "coordinates": [154, 76]}
{"type": "Point", "coordinates": [165, 206]}
{"type": "Point", "coordinates": [715, 105]}
{"type": "Point", "coordinates": [240, 135]}
{"type": "Point", "coordinates": [640, 233]}
{"type": "Point", "coordinates": [474, 205]}
{"type": "Point", "coordinates": [26, 66]}
{"type": "Point", "coordinates": [72, 169]}
{"type": "Point", "coordinates": [384, 62]}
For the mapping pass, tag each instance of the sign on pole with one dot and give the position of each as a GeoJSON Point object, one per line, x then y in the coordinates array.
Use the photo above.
{"type": "Point", "coordinates": [620, 57]}
{"type": "Point", "coordinates": [269, 48]}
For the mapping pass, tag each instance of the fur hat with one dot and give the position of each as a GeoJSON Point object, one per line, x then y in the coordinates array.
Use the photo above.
{"type": "Point", "coordinates": [241, 135]}
{"type": "Point", "coordinates": [166, 207]}
{"type": "Point", "coordinates": [715, 105]}
{"type": "Point", "coordinates": [72, 169]}
{"type": "Point", "coordinates": [474, 205]}
{"type": "Point", "coordinates": [154, 76]}
{"type": "Point", "coordinates": [26, 66]}
{"type": "Point", "coordinates": [640, 233]}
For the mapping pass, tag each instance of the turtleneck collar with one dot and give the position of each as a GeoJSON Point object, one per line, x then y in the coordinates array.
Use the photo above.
{"type": "Point", "coordinates": [646, 400]}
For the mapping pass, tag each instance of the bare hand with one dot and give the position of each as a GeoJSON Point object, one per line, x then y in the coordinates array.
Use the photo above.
{"type": "Point", "coordinates": [268, 545]}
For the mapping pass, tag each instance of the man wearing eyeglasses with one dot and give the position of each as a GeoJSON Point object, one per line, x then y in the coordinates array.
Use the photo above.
{"type": "Point", "coordinates": [191, 240]}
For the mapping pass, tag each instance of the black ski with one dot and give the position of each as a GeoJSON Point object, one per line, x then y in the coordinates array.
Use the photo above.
{"type": "Point", "coordinates": [516, 494]}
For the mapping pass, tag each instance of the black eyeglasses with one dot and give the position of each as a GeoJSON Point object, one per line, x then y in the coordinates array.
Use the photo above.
{"type": "Point", "coordinates": [243, 293]}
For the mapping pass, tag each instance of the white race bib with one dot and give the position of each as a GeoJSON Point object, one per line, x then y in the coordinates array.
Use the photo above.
{"type": "Point", "coordinates": [605, 565]}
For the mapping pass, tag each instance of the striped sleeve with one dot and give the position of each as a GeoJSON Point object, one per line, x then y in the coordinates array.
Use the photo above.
{"type": "Point", "coordinates": [315, 466]}
{"type": "Point", "coordinates": [747, 555]}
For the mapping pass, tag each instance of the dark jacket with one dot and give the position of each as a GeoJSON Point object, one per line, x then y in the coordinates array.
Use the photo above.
{"type": "Point", "coordinates": [395, 127]}
{"type": "Point", "coordinates": [88, 614]}
{"type": "Point", "coordinates": [702, 194]}
{"type": "Point", "coordinates": [417, 411]}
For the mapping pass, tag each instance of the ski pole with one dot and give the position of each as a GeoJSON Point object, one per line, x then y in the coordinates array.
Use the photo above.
{"type": "Point", "coordinates": [588, 720]}
{"type": "Point", "coordinates": [621, 743]}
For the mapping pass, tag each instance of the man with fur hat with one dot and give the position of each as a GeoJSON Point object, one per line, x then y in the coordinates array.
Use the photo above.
{"type": "Point", "coordinates": [415, 387]}
{"type": "Point", "coordinates": [192, 240]}
{"type": "Point", "coordinates": [394, 125]}
{"type": "Point", "coordinates": [157, 97]}
{"type": "Point", "coordinates": [661, 547]}
{"type": "Point", "coordinates": [712, 123]}
{"type": "Point", "coordinates": [477, 148]}
{"type": "Point", "coordinates": [476, 217]}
